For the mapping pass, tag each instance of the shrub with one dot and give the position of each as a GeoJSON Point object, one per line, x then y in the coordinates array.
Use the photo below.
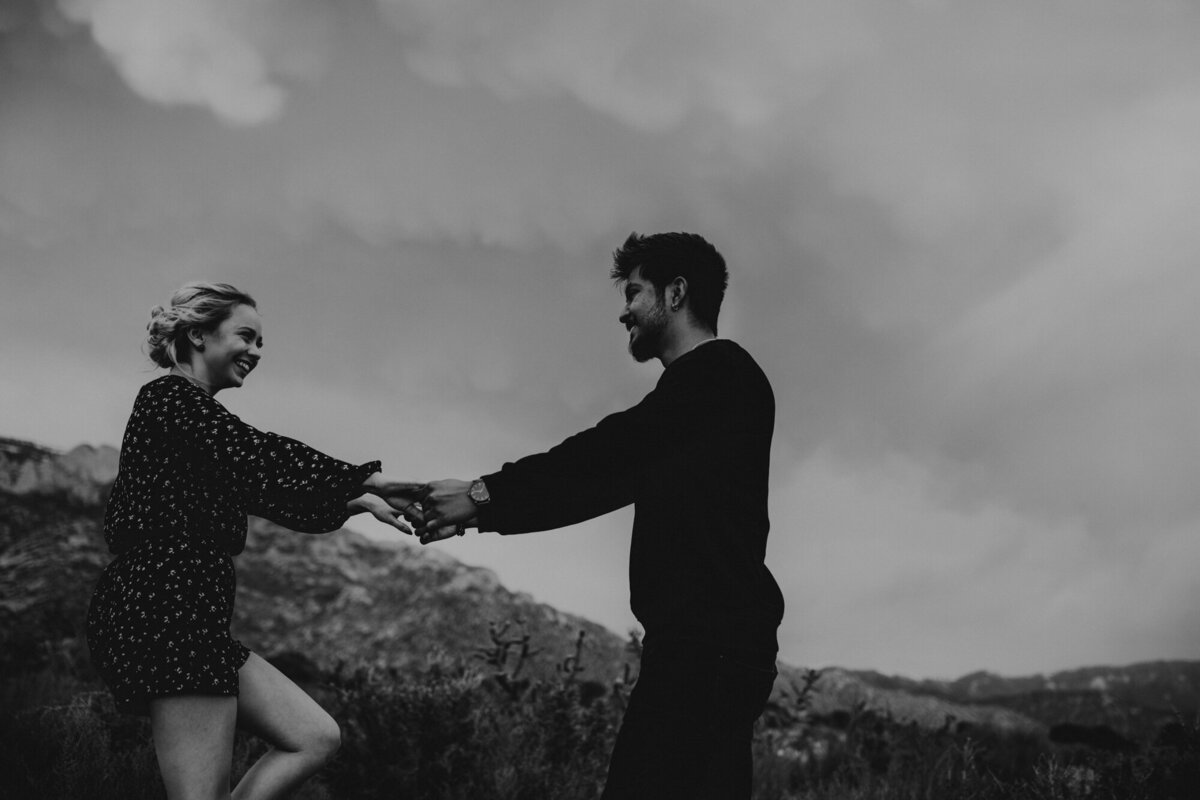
{"type": "Point", "coordinates": [449, 732]}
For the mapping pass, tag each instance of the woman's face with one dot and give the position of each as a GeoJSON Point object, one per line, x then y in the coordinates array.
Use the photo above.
{"type": "Point", "coordinates": [232, 350]}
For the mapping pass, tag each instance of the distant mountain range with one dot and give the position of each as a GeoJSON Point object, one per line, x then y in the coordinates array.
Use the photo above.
{"type": "Point", "coordinates": [1137, 699]}
{"type": "Point", "coordinates": [1160, 684]}
{"type": "Point", "coordinates": [321, 601]}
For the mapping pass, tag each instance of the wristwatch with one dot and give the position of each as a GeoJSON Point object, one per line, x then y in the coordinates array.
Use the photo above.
{"type": "Point", "coordinates": [479, 493]}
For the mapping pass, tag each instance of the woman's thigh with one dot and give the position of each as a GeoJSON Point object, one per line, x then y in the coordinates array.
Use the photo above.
{"type": "Point", "coordinates": [193, 741]}
{"type": "Point", "coordinates": [273, 708]}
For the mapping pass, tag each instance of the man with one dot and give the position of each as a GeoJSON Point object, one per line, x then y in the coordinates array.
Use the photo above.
{"type": "Point", "coordinates": [693, 457]}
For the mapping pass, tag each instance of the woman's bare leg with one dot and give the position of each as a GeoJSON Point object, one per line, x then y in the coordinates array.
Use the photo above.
{"type": "Point", "coordinates": [193, 740]}
{"type": "Point", "coordinates": [303, 737]}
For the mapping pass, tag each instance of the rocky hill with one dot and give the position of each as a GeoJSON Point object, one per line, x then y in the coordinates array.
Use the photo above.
{"type": "Point", "coordinates": [335, 598]}
{"type": "Point", "coordinates": [1136, 699]}
{"type": "Point", "coordinates": [1166, 684]}
{"type": "Point", "coordinates": [320, 601]}
{"type": "Point", "coordinates": [839, 690]}
{"type": "Point", "coordinates": [346, 598]}
{"type": "Point", "coordinates": [81, 476]}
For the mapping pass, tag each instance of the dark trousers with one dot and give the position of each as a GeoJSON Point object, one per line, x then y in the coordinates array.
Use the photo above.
{"type": "Point", "coordinates": [688, 728]}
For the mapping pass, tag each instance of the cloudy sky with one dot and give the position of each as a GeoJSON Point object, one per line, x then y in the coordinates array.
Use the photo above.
{"type": "Point", "coordinates": [963, 241]}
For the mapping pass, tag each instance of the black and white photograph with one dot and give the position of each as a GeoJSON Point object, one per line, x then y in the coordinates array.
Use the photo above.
{"type": "Point", "coordinates": [581, 400]}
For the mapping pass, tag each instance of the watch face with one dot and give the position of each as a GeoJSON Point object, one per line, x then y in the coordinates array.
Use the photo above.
{"type": "Point", "coordinates": [478, 492]}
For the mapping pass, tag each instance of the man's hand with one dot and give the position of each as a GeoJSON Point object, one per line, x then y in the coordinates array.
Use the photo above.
{"type": "Point", "coordinates": [447, 503]}
{"type": "Point", "coordinates": [430, 535]}
{"type": "Point", "coordinates": [383, 512]}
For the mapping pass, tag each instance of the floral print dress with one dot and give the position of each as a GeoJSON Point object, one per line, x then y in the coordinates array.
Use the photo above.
{"type": "Point", "coordinates": [190, 472]}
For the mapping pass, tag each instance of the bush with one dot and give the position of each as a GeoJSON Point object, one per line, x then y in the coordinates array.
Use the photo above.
{"type": "Point", "coordinates": [449, 732]}
{"type": "Point", "coordinates": [868, 756]}
{"type": "Point", "coordinates": [84, 750]}
{"type": "Point", "coordinates": [453, 730]}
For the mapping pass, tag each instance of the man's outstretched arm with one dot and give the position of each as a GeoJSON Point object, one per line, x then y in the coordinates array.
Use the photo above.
{"type": "Point", "coordinates": [539, 502]}
{"type": "Point", "coordinates": [589, 474]}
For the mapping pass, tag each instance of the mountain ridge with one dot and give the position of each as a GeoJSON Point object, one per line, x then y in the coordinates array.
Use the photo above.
{"type": "Point", "coordinates": [83, 474]}
{"type": "Point", "coordinates": [984, 684]}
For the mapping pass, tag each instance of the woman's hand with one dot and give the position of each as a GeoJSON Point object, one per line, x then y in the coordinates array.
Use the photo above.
{"type": "Point", "coordinates": [392, 488]}
{"type": "Point", "coordinates": [382, 511]}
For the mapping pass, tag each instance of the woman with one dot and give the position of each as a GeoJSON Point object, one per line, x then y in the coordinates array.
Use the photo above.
{"type": "Point", "coordinates": [190, 472]}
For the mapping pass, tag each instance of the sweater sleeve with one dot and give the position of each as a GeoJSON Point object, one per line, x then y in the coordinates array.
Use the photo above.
{"type": "Point", "coordinates": [278, 478]}
{"type": "Point", "coordinates": [602, 468]}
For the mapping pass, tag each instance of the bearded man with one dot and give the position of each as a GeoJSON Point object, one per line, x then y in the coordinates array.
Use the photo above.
{"type": "Point", "coordinates": [693, 458]}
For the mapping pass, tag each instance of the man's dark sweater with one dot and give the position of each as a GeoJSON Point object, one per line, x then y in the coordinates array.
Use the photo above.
{"type": "Point", "coordinates": [694, 457]}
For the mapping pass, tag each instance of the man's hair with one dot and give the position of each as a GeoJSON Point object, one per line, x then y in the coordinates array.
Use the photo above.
{"type": "Point", "coordinates": [664, 257]}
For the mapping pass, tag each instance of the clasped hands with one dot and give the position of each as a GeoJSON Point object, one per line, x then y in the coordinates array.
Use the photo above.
{"type": "Point", "coordinates": [433, 511]}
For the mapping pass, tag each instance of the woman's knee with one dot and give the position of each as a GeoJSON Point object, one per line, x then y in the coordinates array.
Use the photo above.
{"type": "Point", "coordinates": [323, 739]}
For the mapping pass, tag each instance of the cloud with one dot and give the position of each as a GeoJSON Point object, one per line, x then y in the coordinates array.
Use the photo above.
{"type": "Point", "coordinates": [994, 220]}
{"type": "Point", "coordinates": [962, 241]}
{"type": "Point", "coordinates": [962, 235]}
{"type": "Point", "coordinates": [471, 173]}
{"type": "Point", "coordinates": [650, 65]}
{"type": "Point", "coordinates": [1076, 374]}
{"type": "Point", "coordinates": [228, 57]}
{"type": "Point", "coordinates": [880, 574]}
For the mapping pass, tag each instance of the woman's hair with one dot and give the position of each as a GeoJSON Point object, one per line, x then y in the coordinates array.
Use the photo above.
{"type": "Point", "coordinates": [194, 305]}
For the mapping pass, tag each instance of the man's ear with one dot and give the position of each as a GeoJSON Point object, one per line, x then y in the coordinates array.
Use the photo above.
{"type": "Point", "coordinates": [677, 292]}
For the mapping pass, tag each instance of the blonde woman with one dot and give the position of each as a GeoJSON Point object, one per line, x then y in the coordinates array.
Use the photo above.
{"type": "Point", "coordinates": [190, 472]}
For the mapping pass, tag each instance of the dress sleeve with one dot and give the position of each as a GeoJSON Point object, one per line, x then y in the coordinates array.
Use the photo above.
{"type": "Point", "coordinates": [600, 469]}
{"type": "Point", "coordinates": [308, 490]}
{"type": "Point", "coordinates": [275, 477]}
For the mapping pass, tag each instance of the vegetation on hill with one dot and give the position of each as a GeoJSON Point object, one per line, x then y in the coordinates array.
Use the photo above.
{"type": "Point", "coordinates": [456, 729]}
{"type": "Point", "coordinates": [447, 685]}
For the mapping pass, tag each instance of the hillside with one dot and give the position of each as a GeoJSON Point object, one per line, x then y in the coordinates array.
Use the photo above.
{"type": "Point", "coordinates": [1135, 699]}
{"type": "Point", "coordinates": [342, 598]}
{"type": "Point", "coordinates": [333, 598]}
{"type": "Point", "coordinates": [1161, 684]}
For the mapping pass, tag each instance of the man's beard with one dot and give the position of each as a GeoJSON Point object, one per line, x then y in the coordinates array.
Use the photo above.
{"type": "Point", "coordinates": [650, 332]}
